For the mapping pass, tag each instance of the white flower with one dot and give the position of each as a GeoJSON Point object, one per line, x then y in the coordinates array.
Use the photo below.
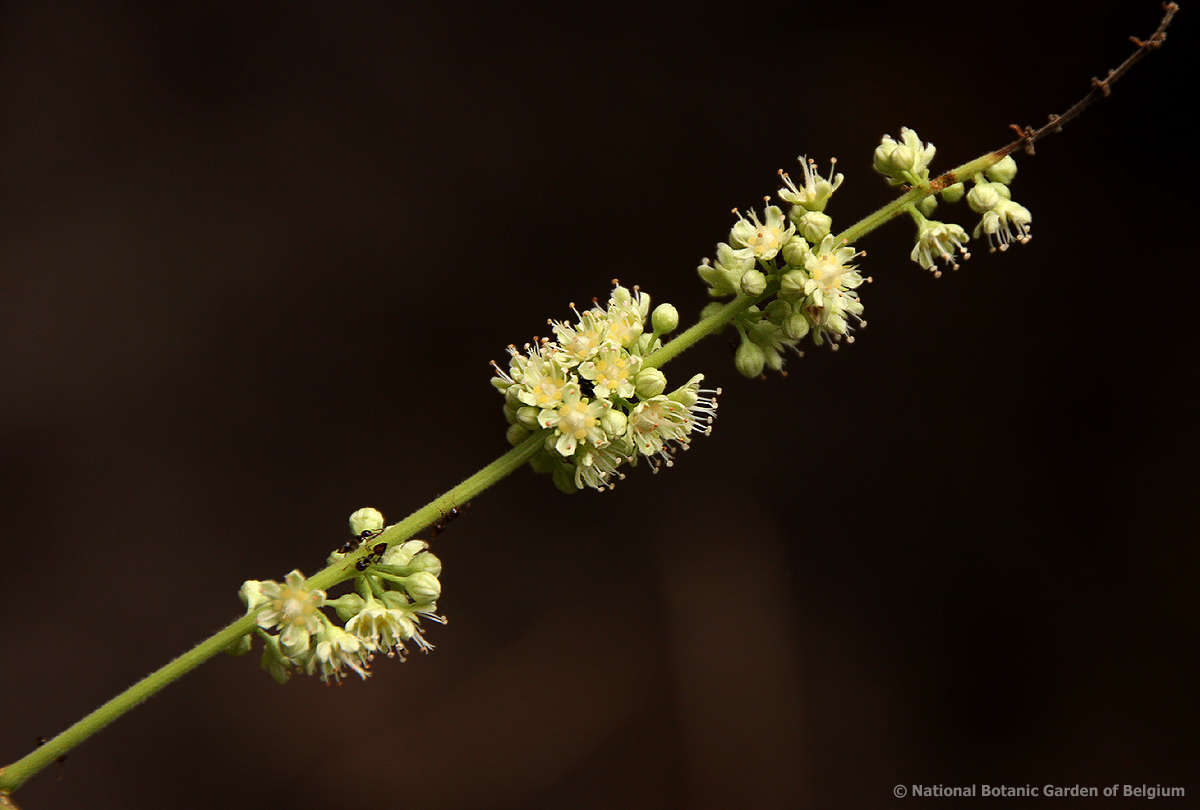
{"type": "Point", "coordinates": [940, 240]}
{"type": "Point", "coordinates": [576, 420]}
{"type": "Point", "coordinates": [763, 239]}
{"type": "Point", "coordinates": [596, 466]}
{"type": "Point", "coordinates": [700, 402]}
{"type": "Point", "coordinates": [816, 191]}
{"type": "Point", "coordinates": [657, 425]}
{"type": "Point", "coordinates": [293, 608]}
{"type": "Point", "coordinates": [543, 383]}
{"type": "Point", "coordinates": [829, 275]}
{"type": "Point", "coordinates": [1006, 222]}
{"type": "Point", "coordinates": [380, 628]}
{"type": "Point", "coordinates": [336, 649]}
{"type": "Point", "coordinates": [580, 341]}
{"type": "Point", "coordinates": [611, 372]}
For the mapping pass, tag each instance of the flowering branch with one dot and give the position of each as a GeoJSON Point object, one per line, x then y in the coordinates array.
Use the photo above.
{"type": "Point", "coordinates": [583, 405]}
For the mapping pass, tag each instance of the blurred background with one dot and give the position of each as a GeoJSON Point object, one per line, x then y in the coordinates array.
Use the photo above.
{"type": "Point", "coordinates": [255, 258]}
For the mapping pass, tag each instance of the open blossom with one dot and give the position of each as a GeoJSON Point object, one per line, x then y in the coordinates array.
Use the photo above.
{"type": "Point", "coordinates": [292, 608]}
{"type": "Point", "coordinates": [816, 190]}
{"type": "Point", "coordinates": [941, 241]}
{"type": "Point", "coordinates": [1004, 223]}
{"type": "Point", "coordinates": [764, 238]}
{"type": "Point", "coordinates": [575, 420]}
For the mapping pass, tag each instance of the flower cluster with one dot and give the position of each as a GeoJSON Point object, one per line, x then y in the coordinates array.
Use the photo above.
{"type": "Point", "coordinates": [597, 398]}
{"type": "Point", "coordinates": [395, 591]}
{"type": "Point", "coordinates": [795, 256]}
{"type": "Point", "coordinates": [1002, 220]}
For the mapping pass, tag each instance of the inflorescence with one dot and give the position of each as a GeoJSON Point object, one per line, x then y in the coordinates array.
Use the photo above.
{"type": "Point", "coordinates": [396, 589]}
{"type": "Point", "coordinates": [806, 280]}
{"type": "Point", "coordinates": [596, 399]}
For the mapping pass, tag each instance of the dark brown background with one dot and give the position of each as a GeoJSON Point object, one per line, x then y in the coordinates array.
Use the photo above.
{"type": "Point", "coordinates": [256, 256]}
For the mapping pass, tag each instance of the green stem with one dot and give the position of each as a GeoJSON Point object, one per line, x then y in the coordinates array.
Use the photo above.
{"type": "Point", "coordinates": [15, 774]}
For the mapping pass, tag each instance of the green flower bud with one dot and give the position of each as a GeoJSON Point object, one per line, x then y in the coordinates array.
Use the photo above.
{"type": "Point", "coordinates": [749, 359]}
{"type": "Point", "coordinates": [649, 382]}
{"type": "Point", "coordinates": [792, 283]}
{"type": "Point", "coordinates": [423, 587]}
{"type": "Point", "coordinates": [274, 661]}
{"type": "Point", "coordinates": [1004, 171]}
{"type": "Point", "coordinates": [510, 414]}
{"type": "Point", "coordinates": [711, 309]}
{"type": "Point", "coordinates": [982, 198]}
{"type": "Point", "coordinates": [664, 319]}
{"type": "Point", "coordinates": [527, 417]}
{"type": "Point", "coordinates": [512, 397]}
{"type": "Point", "coordinates": [428, 562]}
{"type": "Point", "coordinates": [646, 343]}
{"type": "Point", "coordinates": [763, 333]}
{"type": "Point", "coordinates": [954, 193]}
{"type": "Point", "coordinates": [813, 226]}
{"type": "Point", "coordinates": [777, 311]}
{"type": "Point", "coordinates": [401, 555]}
{"type": "Point", "coordinates": [516, 434]}
{"type": "Point", "coordinates": [795, 251]}
{"type": "Point", "coordinates": [796, 326]}
{"type": "Point", "coordinates": [927, 205]}
{"type": "Point", "coordinates": [902, 159]}
{"type": "Point", "coordinates": [753, 282]}
{"type": "Point", "coordinates": [347, 606]}
{"type": "Point", "coordinates": [251, 595]}
{"type": "Point", "coordinates": [613, 421]}
{"type": "Point", "coordinates": [367, 519]}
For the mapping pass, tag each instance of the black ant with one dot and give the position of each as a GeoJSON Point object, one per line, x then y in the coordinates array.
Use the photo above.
{"type": "Point", "coordinates": [355, 542]}
{"type": "Point", "coordinates": [376, 553]}
{"type": "Point", "coordinates": [447, 517]}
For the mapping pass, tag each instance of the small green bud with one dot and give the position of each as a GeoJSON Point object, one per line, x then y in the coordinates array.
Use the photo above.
{"type": "Point", "coordinates": [564, 479]}
{"type": "Point", "coordinates": [777, 311]}
{"type": "Point", "coordinates": [649, 382]}
{"type": "Point", "coordinates": [982, 198]}
{"type": "Point", "coordinates": [927, 205]}
{"type": "Point", "coordinates": [796, 326]}
{"type": "Point", "coordinates": [251, 595]}
{"type": "Point", "coordinates": [423, 587]}
{"type": "Point", "coordinates": [753, 282]}
{"type": "Point", "coordinates": [512, 397]}
{"type": "Point", "coordinates": [613, 421]}
{"type": "Point", "coordinates": [902, 159]}
{"type": "Point", "coordinates": [543, 463]}
{"type": "Point", "coordinates": [749, 359]}
{"type": "Point", "coordinates": [792, 283]}
{"type": "Point", "coordinates": [527, 417]}
{"type": "Point", "coordinates": [510, 414]}
{"type": "Point", "coordinates": [401, 555]}
{"type": "Point", "coordinates": [427, 561]}
{"type": "Point", "coordinates": [367, 519]}
{"type": "Point", "coordinates": [1004, 171]}
{"type": "Point", "coordinates": [646, 343]}
{"type": "Point", "coordinates": [516, 434]}
{"type": "Point", "coordinates": [763, 333]}
{"type": "Point", "coordinates": [795, 251]}
{"type": "Point", "coordinates": [954, 193]}
{"type": "Point", "coordinates": [710, 309]}
{"type": "Point", "coordinates": [347, 606]}
{"type": "Point", "coordinates": [813, 226]}
{"type": "Point", "coordinates": [274, 661]}
{"type": "Point", "coordinates": [664, 319]}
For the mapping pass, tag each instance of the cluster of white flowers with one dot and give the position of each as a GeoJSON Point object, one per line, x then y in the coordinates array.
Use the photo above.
{"type": "Point", "coordinates": [595, 397]}
{"type": "Point", "coordinates": [396, 590]}
{"type": "Point", "coordinates": [816, 279]}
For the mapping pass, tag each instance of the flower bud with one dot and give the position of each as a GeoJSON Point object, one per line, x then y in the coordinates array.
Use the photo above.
{"type": "Point", "coordinates": [251, 594]}
{"type": "Point", "coordinates": [813, 226]}
{"type": "Point", "coordinates": [927, 205]}
{"type": "Point", "coordinates": [649, 382]}
{"type": "Point", "coordinates": [347, 606]}
{"type": "Point", "coordinates": [954, 193]}
{"type": "Point", "coordinates": [1004, 171]}
{"type": "Point", "coordinates": [792, 283]}
{"type": "Point", "coordinates": [710, 309]}
{"type": "Point", "coordinates": [664, 319]}
{"type": "Point", "coordinates": [982, 198]}
{"type": "Point", "coordinates": [516, 434]}
{"type": "Point", "coordinates": [796, 326]}
{"type": "Point", "coordinates": [777, 311]}
{"type": "Point", "coordinates": [428, 562]}
{"type": "Point", "coordinates": [613, 421]}
{"type": "Point", "coordinates": [239, 646]}
{"type": "Point", "coordinates": [423, 587]}
{"type": "Point", "coordinates": [749, 359]}
{"type": "Point", "coordinates": [401, 555]}
{"type": "Point", "coordinates": [543, 462]}
{"type": "Point", "coordinates": [795, 251]}
{"type": "Point", "coordinates": [527, 416]}
{"type": "Point", "coordinates": [753, 282]}
{"type": "Point", "coordinates": [367, 519]}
